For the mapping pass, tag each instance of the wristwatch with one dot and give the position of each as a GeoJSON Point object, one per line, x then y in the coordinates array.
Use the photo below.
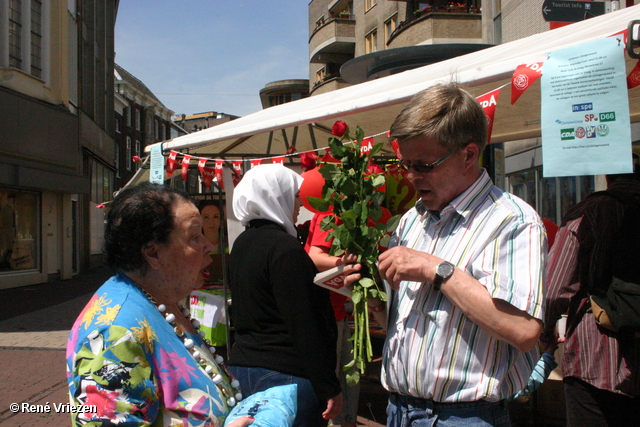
{"type": "Point", "coordinates": [444, 270]}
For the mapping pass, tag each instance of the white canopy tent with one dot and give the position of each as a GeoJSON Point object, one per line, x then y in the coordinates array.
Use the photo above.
{"type": "Point", "coordinates": [373, 105]}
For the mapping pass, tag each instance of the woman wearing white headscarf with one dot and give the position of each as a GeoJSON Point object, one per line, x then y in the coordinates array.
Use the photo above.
{"type": "Point", "coordinates": [285, 330]}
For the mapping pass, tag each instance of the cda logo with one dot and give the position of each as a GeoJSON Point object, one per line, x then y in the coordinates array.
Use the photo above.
{"type": "Point", "coordinates": [602, 130]}
{"type": "Point", "coordinates": [567, 134]}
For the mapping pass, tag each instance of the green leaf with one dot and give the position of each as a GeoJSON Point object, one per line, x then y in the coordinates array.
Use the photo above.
{"type": "Point", "coordinates": [356, 296]}
{"type": "Point", "coordinates": [317, 203]}
{"type": "Point", "coordinates": [353, 377]}
{"type": "Point", "coordinates": [366, 282]}
{"type": "Point", "coordinates": [378, 181]}
{"type": "Point", "coordinates": [392, 224]}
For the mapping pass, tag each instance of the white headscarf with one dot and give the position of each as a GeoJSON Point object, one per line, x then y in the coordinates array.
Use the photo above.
{"type": "Point", "coordinates": [267, 192]}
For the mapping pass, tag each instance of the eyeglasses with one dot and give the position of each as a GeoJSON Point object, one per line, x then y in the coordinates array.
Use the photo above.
{"type": "Point", "coordinates": [426, 167]}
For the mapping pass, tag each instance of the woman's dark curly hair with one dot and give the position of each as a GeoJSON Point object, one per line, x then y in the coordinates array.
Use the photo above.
{"type": "Point", "coordinates": [139, 216]}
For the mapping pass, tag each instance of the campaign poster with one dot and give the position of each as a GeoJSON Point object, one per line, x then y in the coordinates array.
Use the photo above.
{"type": "Point", "coordinates": [585, 111]}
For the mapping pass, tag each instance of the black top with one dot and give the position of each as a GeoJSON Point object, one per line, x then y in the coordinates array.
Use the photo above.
{"type": "Point", "coordinates": [282, 320]}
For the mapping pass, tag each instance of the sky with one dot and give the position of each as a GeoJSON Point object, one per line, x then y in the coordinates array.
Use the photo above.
{"type": "Point", "coordinates": [212, 55]}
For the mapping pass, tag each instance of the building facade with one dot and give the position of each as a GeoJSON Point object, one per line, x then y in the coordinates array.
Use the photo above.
{"type": "Point", "coordinates": [141, 119]}
{"type": "Point", "coordinates": [342, 30]}
{"type": "Point", "coordinates": [57, 135]}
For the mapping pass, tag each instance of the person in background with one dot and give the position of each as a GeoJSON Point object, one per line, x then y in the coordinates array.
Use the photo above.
{"type": "Point", "coordinates": [601, 368]}
{"type": "Point", "coordinates": [285, 331]}
{"type": "Point", "coordinates": [465, 268]}
{"type": "Point", "coordinates": [134, 352]}
{"type": "Point", "coordinates": [318, 248]}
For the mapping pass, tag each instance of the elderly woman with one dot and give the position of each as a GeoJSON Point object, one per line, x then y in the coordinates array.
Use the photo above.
{"type": "Point", "coordinates": [285, 331]}
{"type": "Point", "coordinates": [134, 353]}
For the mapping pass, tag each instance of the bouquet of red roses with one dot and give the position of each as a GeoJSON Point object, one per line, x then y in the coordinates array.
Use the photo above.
{"type": "Point", "coordinates": [350, 193]}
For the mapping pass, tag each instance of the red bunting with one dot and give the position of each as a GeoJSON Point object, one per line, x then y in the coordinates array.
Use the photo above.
{"type": "Point", "coordinates": [237, 171]}
{"type": "Point", "coordinates": [255, 162]}
{"type": "Point", "coordinates": [207, 175]}
{"type": "Point", "coordinates": [219, 173]}
{"type": "Point", "coordinates": [366, 145]}
{"type": "Point", "coordinates": [185, 167]}
{"type": "Point", "coordinates": [523, 77]}
{"type": "Point", "coordinates": [633, 79]}
{"type": "Point", "coordinates": [396, 148]}
{"type": "Point", "coordinates": [171, 163]}
{"type": "Point", "coordinates": [279, 160]}
{"type": "Point", "coordinates": [489, 101]}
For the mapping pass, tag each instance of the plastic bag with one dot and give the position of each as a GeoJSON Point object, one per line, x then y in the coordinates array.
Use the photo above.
{"type": "Point", "coordinates": [274, 407]}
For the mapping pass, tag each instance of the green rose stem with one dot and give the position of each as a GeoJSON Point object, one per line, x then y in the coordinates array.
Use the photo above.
{"type": "Point", "coordinates": [355, 228]}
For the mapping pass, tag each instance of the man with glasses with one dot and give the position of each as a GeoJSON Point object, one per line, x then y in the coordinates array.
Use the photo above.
{"type": "Point", "coordinates": [466, 273]}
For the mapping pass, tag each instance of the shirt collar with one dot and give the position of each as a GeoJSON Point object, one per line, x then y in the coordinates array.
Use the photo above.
{"type": "Point", "coordinates": [464, 203]}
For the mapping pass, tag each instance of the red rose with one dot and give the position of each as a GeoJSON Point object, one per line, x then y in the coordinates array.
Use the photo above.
{"type": "Point", "coordinates": [339, 128]}
{"type": "Point", "coordinates": [136, 159]}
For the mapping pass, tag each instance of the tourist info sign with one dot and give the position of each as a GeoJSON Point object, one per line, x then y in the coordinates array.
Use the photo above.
{"type": "Point", "coordinates": [585, 111]}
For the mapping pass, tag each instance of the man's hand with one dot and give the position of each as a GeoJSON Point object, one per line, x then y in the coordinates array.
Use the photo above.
{"type": "Point", "coordinates": [334, 405]}
{"type": "Point", "coordinates": [401, 263]}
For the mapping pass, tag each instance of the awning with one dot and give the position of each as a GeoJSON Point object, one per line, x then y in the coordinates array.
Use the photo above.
{"type": "Point", "coordinates": [373, 105]}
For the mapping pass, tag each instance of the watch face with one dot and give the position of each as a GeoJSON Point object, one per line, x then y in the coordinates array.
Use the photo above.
{"type": "Point", "coordinates": [445, 269]}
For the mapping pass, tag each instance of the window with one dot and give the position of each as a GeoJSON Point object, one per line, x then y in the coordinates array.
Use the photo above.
{"type": "Point", "coordinates": [390, 26]}
{"type": "Point", "coordinates": [137, 115]}
{"type": "Point", "coordinates": [36, 38]}
{"type": "Point", "coordinates": [368, 4]}
{"type": "Point", "coordinates": [19, 230]}
{"type": "Point", "coordinates": [320, 74]}
{"type": "Point", "coordinates": [128, 154]}
{"type": "Point", "coordinates": [371, 42]}
{"type": "Point", "coordinates": [551, 197]}
{"type": "Point", "coordinates": [127, 116]}
{"type": "Point", "coordinates": [15, 34]}
{"type": "Point", "coordinates": [116, 160]}
{"type": "Point", "coordinates": [138, 152]}
{"type": "Point", "coordinates": [26, 38]}
{"type": "Point", "coordinates": [156, 129]}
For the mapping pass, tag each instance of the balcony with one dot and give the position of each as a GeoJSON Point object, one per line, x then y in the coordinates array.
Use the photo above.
{"type": "Point", "coordinates": [329, 83]}
{"type": "Point", "coordinates": [333, 39]}
{"type": "Point", "coordinates": [431, 25]}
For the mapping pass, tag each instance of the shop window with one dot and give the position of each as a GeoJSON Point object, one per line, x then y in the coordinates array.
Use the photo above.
{"type": "Point", "coordinates": [551, 197]}
{"type": "Point", "coordinates": [19, 243]}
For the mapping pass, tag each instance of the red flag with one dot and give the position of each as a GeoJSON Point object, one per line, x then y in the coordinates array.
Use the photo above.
{"type": "Point", "coordinates": [489, 101]}
{"type": "Point", "coordinates": [219, 174]}
{"type": "Point", "coordinates": [185, 167]}
{"type": "Point", "coordinates": [201, 163]}
{"type": "Point", "coordinates": [523, 77]}
{"type": "Point", "coordinates": [255, 162]}
{"type": "Point", "coordinates": [207, 175]}
{"type": "Point", "coordinates": [366, 145]}
{"type": "Point", "coordinates": [633, 79]}
{"type": "Point", "coordinates": [328, 158]}
{"type": "Point", "coordinates": [396, 148]}
{"type": "Point", "coordinates": [237, 171]}
{"type": "Point", "coordinates": [171, 163]}
{"type": "Point", "coordinates": [279, 159]}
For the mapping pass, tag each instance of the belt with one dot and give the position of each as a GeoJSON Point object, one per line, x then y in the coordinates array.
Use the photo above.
{"type": "Point", "coordinates": [417, 402]}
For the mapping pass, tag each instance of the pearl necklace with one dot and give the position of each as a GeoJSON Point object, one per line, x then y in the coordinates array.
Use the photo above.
{"type": "Point", "coordinates": [214, 366]}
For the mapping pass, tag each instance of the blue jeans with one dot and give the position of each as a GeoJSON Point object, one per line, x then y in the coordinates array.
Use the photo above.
{"type": "Point", "coordinates": [404, 411]}
{"type": "Point", "coordinates": [253, 380]}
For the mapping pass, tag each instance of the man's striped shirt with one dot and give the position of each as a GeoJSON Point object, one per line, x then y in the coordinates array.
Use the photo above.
{"type": "Point", "coordinates": [433, 350]}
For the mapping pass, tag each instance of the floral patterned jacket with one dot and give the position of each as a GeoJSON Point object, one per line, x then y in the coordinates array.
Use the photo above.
{"type": "Point", "coordinates": [124, 360]}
